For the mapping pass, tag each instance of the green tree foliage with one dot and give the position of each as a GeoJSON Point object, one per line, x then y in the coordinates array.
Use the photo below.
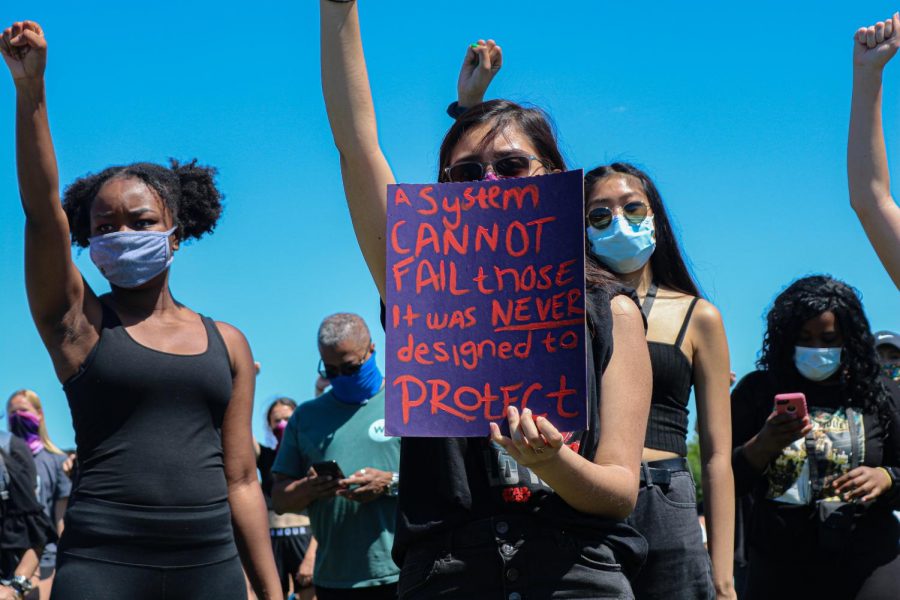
{"type": "Point", "coordinates": [693, 458]}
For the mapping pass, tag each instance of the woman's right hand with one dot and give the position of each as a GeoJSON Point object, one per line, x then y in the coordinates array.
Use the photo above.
{"type": "Point", "coordinates": [482, 62]}
{"type": "Point", "coordinates": [24, 49]}
{"type": "Point", "coordinates": [780, 430]}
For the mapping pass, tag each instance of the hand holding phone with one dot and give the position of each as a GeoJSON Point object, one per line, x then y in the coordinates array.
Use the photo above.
{"type": "Point", "coordinates": [328, 468]}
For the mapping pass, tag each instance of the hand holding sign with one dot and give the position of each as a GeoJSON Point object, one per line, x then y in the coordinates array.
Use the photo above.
{"type": "Point", "coordinates": [533, 439]}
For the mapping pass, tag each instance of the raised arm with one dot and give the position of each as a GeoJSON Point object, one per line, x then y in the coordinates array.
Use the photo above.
{"type": "Point", "coordinates": [56, 291]}
{"type": "Point", "coordinates": [608, 486]}
{"type": "Point", "coordinates": [867, 167]}
{"type": "Point", "coordinates": [348, 100]}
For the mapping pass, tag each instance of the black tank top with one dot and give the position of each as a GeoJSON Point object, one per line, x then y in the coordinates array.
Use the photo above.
{"type": "Point", "coordinates": [672, 380]}
{"type": "Point", "coordinates": [148, 424]}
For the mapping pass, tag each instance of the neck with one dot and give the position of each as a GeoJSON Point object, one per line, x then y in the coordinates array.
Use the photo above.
{"type": "Point", "coordinates": [640, 280]}
{"type": "Point", "coordinates": [145, 301]}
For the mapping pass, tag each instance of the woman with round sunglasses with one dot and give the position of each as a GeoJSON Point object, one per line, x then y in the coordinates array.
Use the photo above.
{"type": "Point", "coordinates": [821, 528]}
{"type": "Point", "coordinates": [460, 534]}
{"type": "Point", "coordinates": [167, 499]}
{"type": "Point", "coordinates": [628, 230]}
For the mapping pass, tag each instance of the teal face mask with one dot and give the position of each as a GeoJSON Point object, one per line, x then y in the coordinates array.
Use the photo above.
{"type": "Point", "coordinates": [622, 246]}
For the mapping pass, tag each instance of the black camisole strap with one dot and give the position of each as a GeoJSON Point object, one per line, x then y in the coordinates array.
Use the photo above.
{"type": "Point", "coordinates": [687, 321]}
{"type": "Point", "coordinates": [647, 304]}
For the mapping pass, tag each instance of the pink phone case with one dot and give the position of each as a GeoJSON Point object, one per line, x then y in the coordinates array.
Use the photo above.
{"type": "Point", "coordinates": [794, 404]}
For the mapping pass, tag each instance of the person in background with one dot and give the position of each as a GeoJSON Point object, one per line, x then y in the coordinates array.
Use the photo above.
{"type": "Point", "coordinates": [24, 527]}
{"type": "Point", "coordinates": [26, 420]}
{"type": "Point", "coordinates": [867, 166]}
{"type": "Point", "coordinates": [825, 483]}
{"type": "Point", "coordinates": [292, 542]}
{"type": "Point", "coordinates": [887, 343]}
{"type": "Point", "coordinates": [628, 230]}
{"type": "Point", "coordinates": [353, 518]}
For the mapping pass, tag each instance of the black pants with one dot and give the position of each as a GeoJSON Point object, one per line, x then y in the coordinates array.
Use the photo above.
{"type": "Point", "coordinates": [86, 579]}
{"type": "Point", "coordinates": [375, 592]}
{"type": "Point", "coordinates": [512, 559]}
{"type": "Point", "coordinates": [678, 566]}
{"type": "Point", "coordinates": [289, 546]}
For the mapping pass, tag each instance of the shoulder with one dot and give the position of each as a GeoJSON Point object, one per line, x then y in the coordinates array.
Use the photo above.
{"type": "Point", "coordinates": [231, 334]}
{"type": "Point", "coordinates": [625, 313]}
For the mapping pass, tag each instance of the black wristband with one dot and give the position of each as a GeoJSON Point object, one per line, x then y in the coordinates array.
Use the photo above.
{"type": "Point", "coordinates": [455, 110]}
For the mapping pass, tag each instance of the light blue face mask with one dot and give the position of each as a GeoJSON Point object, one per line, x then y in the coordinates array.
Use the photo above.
{"type": "Point", "coordinates": [359, 387]}
{"type": "Point", "coordinates": [131, 258]}
{"type": "Point", "coordinates": [623, 246]}
{"type": "Point", "coordinates": [817, 364]}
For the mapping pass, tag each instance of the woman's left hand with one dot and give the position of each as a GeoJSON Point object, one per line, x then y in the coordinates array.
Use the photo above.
{"type": "Point", "coordinates": [863, 483]}
{"type": "Point", "coordinates": [532, 440]}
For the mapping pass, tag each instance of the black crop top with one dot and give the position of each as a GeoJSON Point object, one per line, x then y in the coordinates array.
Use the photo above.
{"type": "Point", "coordinates": [672, 380]}
{"type": "Point", "coordinates": [148, 424]}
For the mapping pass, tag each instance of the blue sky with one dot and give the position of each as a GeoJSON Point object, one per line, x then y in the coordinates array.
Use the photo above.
{"type": "Point", "coordinates": [739, 112]}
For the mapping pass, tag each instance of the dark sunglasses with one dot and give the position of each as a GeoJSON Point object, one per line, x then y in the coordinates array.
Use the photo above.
{"type": "Point", "coordinates": [508, 166]}
{"type": "Point", "coordinates": [330, 372]}
{"type": "Point", "coordinates": [601, 217]}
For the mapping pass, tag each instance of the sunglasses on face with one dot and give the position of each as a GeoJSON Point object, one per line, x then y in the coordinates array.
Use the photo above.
{"type": "Point", "coordinates": [330, 371]}
{"type": "Point", "coordinates": [601, 217]}
{"type": "Point", "coordinates": [508, 166]}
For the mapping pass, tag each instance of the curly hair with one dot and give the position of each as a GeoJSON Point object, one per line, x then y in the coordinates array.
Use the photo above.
{"type": "Point", "coordinates": [188, 190]}
{"type": "Point", "coordinates": [805, 299]}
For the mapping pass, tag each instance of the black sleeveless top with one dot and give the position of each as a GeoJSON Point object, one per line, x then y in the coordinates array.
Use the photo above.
{"type": "Point", "coordinates": [148, 424]}
{"type": "Point", "coordinates": [449, 482]}
{"type": "Point", "coordinates": [672, 380]}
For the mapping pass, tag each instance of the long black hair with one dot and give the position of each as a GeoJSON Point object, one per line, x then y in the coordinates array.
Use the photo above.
{"type": "Point", "coordinates": [537, 126]}
{"type": "Point", "coordinates": [667, 261]}
{"type": "Point", "coordinates": [187, 189]}
{"type": "Point", "coordinates": [805, 299]}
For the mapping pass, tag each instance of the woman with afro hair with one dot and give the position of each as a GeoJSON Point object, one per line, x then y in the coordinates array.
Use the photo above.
{"type": "Point", "coordinates": [824, 483]}
{"type": "Point", "coordinates": [167, 499]}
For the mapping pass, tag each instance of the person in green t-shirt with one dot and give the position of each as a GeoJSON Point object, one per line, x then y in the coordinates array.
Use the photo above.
{"type": "Point", "coordinates": [352, 518]}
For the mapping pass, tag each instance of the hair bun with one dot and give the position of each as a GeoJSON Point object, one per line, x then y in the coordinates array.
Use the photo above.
{"type": "Point", "coordinates": [200, 205]}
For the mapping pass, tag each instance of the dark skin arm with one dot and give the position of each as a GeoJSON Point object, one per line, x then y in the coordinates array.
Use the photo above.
{"type": "Point", "coordinates": [294, 495]}
{"type": "Point", "coordinates": [248, 508]}
{"type": "Point", "coordinates": [65, 310]}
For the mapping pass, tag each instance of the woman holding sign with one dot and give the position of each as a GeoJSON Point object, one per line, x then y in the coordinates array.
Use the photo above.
{"type": "Point", "coordinates": [166, 500]}
{"type": "Point", "coordinates": [628, 231]}
{"type": "Point", "coordinates": [456, 535]}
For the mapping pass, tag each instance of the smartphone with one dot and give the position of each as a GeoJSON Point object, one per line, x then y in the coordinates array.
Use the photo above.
{"type": "Point", "coordinates": [792, 404]}
{"type": "Point", "coordinates": [328, 468]}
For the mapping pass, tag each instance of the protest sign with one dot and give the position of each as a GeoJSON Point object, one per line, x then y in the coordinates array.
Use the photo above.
{"type": "Point", "coordinates": [485, 304]}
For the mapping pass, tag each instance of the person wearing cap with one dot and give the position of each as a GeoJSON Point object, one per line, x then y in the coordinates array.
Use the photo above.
{"type": "Point", "coordinates": [888, 345]}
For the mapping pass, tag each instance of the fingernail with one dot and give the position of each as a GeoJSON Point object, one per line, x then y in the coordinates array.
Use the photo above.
{"type": "Point", "coordinates": [474, 45]}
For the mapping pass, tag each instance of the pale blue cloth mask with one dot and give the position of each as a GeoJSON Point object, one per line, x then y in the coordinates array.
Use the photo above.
{"type": "Point", "coordinates": [817, 364]}
{"type": "Point", "coordinates": [623, 246]}
{"type": "Point", "coordinates": [131, 258]}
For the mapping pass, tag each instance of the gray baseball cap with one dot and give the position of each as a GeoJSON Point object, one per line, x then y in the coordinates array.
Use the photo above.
{"type": "Point", "coordinates": [887, 338]}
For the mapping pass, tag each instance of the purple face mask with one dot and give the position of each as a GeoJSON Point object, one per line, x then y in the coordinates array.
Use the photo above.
{"type": "Point", "coordinates": [490, 176]}
{"type": "Point", "coordinates": [131, 258]}
{"type": "Point", "coordinates": [27, 426]}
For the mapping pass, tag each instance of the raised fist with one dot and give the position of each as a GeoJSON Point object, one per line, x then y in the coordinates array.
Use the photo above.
{"type": "Point", "coordinates": [875, 45]}
{"type": "Point", "coordinates": [482, 62]}
{"type": "Point", "coordinates": [25, 50]}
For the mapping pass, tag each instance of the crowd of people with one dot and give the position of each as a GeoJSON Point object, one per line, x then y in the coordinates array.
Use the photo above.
{"type": "Point", "coordinates": [332, 508]}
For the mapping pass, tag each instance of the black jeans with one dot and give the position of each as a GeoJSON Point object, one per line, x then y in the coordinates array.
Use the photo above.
{"type": "Point", "coordinates": [86, 579]}
{"type": "Point", "coordinates": [678, 565]}
{"type": "Point", "coordinates": [512, 558]}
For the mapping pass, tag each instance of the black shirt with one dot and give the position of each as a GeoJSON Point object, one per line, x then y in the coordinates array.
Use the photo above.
{"type": "Point", "coordinates": [264, 463]}
{"type": "Point", "coordinates": [782, 522]}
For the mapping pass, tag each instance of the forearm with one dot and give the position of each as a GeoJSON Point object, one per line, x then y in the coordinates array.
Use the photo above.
{"type": "Point", "coordinates": [345, 80]}
{"type": "Point", "coordinates": [29, 563]}
{"type": "Point", "coordinates": [602, 490]}
{"type": "Point", "coordinates": [289, 496]}
{"type": "Point", "coordinates": [718, 494]}
{"type": "Point", "coordinates": [757, 455]}
{"type": "Point", "coordinates": [251, 527]}
{"type": "Point", "coordinates": [35, 157]}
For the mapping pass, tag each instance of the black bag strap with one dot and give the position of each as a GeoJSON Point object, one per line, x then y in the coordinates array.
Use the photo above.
{"type": "Point", "coordinates": [647, 304]}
